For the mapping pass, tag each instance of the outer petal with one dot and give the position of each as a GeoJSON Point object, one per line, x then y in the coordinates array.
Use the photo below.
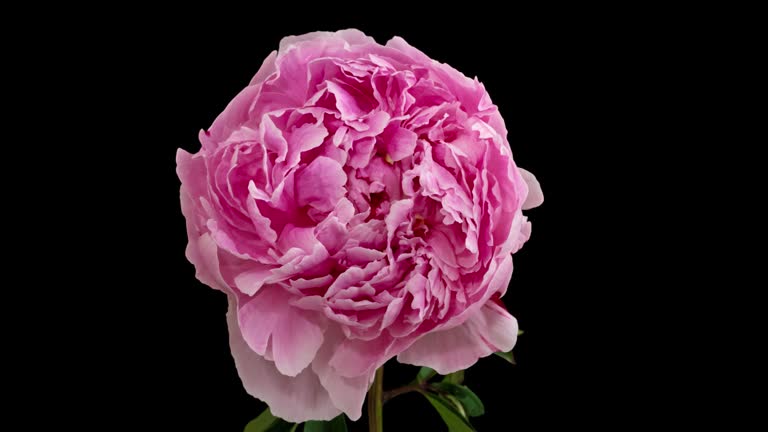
{"type": "Point", "coordinates": [267, 68]}
{"type": "Point", "coordinates": [202, 253]}
{"type": "Point", "coordinates": [356, 357]}
{"type": "Point", "coordinates": [232, 118]}
{"type": "Point", "coordinates": [295, 335]}
{"type": "Point", "coordinates": [347, 393]}
{"type": "Point", "coordinates": [201, 249]}
{"type": "Point", "coordinates": [296, 399]}
{"type": "Point", "coordinates": [497, 279]}
{"type": "Point", "coordinates": [350, 36]}
{"type": "Point", "coordinates": [491, 329]}
{"type": "Point", "coordinates": [535, 195]}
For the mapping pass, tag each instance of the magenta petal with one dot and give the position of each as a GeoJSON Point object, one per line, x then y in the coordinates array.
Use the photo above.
{"type": "Point", "coordinates": [346, 103]}
{"type": "Point", "coordinates": [273, 138]}
{"type": "Point", "coordinates": [304, 138]}
{"type": "Point", "coordinates": [401, 144]}
{"type": "Point", "coordinates": [321, 184]}
{"type": "Point", "coordinates": [295, 399]}
{"type": "Point", "coordinates": [362, 256]}
{"type": "Point", "coordinates": [297, 237]}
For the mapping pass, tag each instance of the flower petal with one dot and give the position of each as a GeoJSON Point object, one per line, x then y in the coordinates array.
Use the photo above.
{"type": "Point", "coordinates": [489, 330]}
{"type": "Point", "coordinates": [347, 393]}
{"type": "Point", "coordinates": [535, 195]}
{"type": "Point", "coordinates": [295, 335]}
{"type": "Point", "coordinates": [356, 357]}
{"type": "Point", "coordinates": [321, 184]}
{"type": "Point", "coordinates": [267, 68]}
{"type": "Point", "coordinates": [401, 144]}
{"type": "Point", "coordinates": [295, 399]}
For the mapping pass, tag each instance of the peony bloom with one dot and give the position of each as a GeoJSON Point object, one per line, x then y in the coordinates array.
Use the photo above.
{"type": "Point", "coordinates": [355, 202]}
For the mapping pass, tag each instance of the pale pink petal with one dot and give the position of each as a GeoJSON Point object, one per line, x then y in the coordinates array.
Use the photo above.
{"type": "Point", "coordinates": [519, 233]}
{"type": "Point", "coordinates": [446, 351]}
{"type": "Point", "coordinates": [489, 330]}
{"type": "Point", "coordinates": [535, 195]}
{"type": "Point", "coordinates": [295, 342]}
{"type": "Point", "coordinates": [295, 335]}
{"type": "Point", "coordinates": [249, 282]}
{"type": "Point", "coordinates": [495, 326]}
{"type": "Point", "coordinates": [202, 252]}
{"type": "Point", "coordinates": [393, 310]}
{"type": "Point", "coordinates": [201, 248]}
{"type": "Point", "coordinates": [267, 68]}
{"type": "Point", "coordinates": [347, 393]}
{"type": "Point", "coordinates": [295, 399]}
{"type": "Point", "coordinates": [495, 280]}
{"type": "Point", "coordinates": [356, 357]}
{"type": "Point", "coordinates": [192, 172]}
{"type": "Point", "coordinates": [350, 36]}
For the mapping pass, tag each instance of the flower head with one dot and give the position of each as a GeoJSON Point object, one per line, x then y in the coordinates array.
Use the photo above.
{"type": "Point", "coordinates": [355, 202]}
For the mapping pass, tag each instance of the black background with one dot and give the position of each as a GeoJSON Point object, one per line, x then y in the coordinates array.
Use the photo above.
{"type": "Point", "coordinates": [630, 115]}
{"type": "Point", "coordinates": [557, 81]}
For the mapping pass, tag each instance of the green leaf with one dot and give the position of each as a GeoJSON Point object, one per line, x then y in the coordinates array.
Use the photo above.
{"type": "Point", "coordinates": [508, 356]}
{"type": "Point", "coordinates": [454, 420]}
{"type": "Point", "coordinates": [469, 400]}
{"type": "Point", "coordinates": [457, 405]}
{"type": "Point", "coordinates": [425, 374]}
{"type": "Point", "coordinates": [520, 332]}
{"type": "Point", "coordinates": [455, 378]}
{"type": "Point", "coordinates": [338, 424]}
{"type": "Point", "coordinates": [266, 422]}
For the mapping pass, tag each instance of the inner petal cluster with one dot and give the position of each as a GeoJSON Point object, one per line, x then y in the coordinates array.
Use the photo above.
{"type": "Point", "coordinates": [373, 194]}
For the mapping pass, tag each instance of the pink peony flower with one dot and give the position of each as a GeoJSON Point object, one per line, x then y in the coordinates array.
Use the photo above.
{"type": "Point", "coordinates": [355, 202]}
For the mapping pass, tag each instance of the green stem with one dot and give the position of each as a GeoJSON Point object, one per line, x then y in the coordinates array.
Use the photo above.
{"type": "Point", "coordinates": [375, 411]}
{"type": "Point", "coordinates": [401, 390]}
